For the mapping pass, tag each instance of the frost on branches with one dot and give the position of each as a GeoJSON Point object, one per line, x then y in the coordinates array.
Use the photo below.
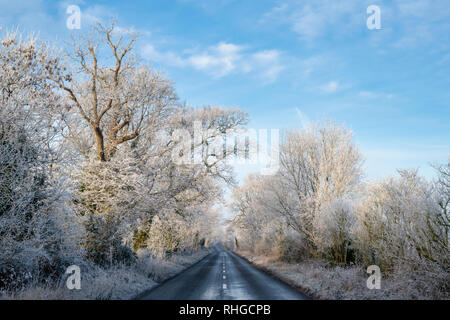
{"type": "Point", "coordinates": [87, 175]}
{"type": "Point", "coordinates": [32, 216]}
{"type": "Point", "coordinates": [318, 209]}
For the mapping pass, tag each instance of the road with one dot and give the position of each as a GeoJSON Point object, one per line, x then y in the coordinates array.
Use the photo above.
{"type": "Point", "coordinates": [223, 276]}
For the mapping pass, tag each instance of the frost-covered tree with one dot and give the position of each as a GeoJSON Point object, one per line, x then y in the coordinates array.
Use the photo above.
{"type": "Point", "coordinates": [32, 219]}
{"type": "Point", "coordinates": [116, 98]}
{"type": "Point", "coordinates": [403, 228]}
{"type": "Point", "coordinates": [186, 188]}
{"type": "Point", "coordinates": [336, 225]}
{"type": "Point", "coordinates": [318, 165]}
{"type": "Point", "coordinates": [438, 225]}
{"type": "Point", "coordinates": [121, 117]}
{"type": "Point", "coordinates": [251, 216]}
{"type": "Point", "coordinates": [258, 226]}
{"type": "Point", "coordinates": [394, 218]}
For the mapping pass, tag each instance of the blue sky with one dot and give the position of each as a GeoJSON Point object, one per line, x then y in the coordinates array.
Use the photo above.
{"type": "Point", "coordinates": [290, 62]}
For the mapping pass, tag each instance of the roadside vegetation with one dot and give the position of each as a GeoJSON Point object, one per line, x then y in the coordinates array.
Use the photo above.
{"type": "Point", "coordinates": [318, 225]}
{"type": "Point", "coordinates": [87, 175]}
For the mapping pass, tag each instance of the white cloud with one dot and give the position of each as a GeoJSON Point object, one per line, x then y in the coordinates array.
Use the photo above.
{"type": "Point", "coordinates": [90, 14]}
{"type": "Point", "coordinates": [268, 62]}
{"type": "Point", "coordinates": [150, 53]}
{"type": "Point", "coordinates": [423, 9]}
{"type": "Point", "coordinates": [405, 23]}
{"type": "Point", "coordinates": [49, 17]}
{"type": "Point", "coordinates": [132, 31]}
{"type": "Point", "coordinates": [95, 14]}
{"type": "Point", "coordinates": [370, 95]}
{"type": "Point", "coordinates": [308, 23]}
{"type": "Point", "coordinates": [445, 60]}
{"type": "Point", "coordinates": [331, 87]}
{"type": "Point", "coordinates": [313, 19]}
{"type": "Point", "coordinates": [208, 5]}
{"type": "Point", "coordinates": [304, 120]}
{"type": "Point", "coordinates": [221, 60]}
{"type": "Point", "coordinates": [27, 15]}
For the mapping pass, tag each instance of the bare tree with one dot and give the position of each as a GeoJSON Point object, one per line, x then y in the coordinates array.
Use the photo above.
{"type": "Point", "coordinates": [318, 164]}
{"type": "Point", "coordinates": [118, 98]}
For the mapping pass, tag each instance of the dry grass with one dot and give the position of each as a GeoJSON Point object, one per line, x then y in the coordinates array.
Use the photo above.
{"type": "Point", "coordinates": [349, 283]}
{"type": "Point", "coordinates": [116, 283]}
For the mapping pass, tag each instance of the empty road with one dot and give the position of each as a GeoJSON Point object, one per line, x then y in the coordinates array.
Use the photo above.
{"type": "Point", "coordinates": [223, 275]}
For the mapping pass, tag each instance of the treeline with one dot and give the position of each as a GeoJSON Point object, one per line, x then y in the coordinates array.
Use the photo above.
{"type": "Point", "coordinates": [318, 207]}
{"type": "Point", "coordinates": [87, 172]}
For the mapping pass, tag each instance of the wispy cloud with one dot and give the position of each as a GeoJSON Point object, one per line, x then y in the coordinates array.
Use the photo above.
{"type": "Point", "coordinates": [29, 15]}
{"type": "Point", "coordinates": [415, 21]}
{"type": "Point", "coordinates": [221, 60]}
{"type": "Point", "coordinates": [330, 87]}
{"type": "Point", "coordinates": [208, 5]}
{"type": "Point", "coordinates": [304, 119]}
{"type": "Point", "coordinates": [268, 63]}
{"type": "Point", "coordinates": [313, 19]}
{"type": "Point", "coordinates": [370, 95]}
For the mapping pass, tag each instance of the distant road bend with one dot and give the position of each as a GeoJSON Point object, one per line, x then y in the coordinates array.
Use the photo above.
{"type": "Point", "coordinates": [223, 276]}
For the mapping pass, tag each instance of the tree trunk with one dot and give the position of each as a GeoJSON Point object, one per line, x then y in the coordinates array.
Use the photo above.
{"type": "Point", "coordinates": [100, 144]}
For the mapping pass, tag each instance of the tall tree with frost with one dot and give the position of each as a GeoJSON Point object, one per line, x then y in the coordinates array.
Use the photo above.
{"type": "Point", "coordinates": [128, 113]}
{"type": "Point", "coordinates": [31, 235]}
{"type": "Point", "coordinates": [318, 164]}
{"type": "Point", "coordinates": [117, 98]}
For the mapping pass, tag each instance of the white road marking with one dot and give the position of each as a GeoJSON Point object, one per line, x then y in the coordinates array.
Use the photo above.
{"type": "Point", "coordinates": [224, 277]}
{"type": "Point", "coordinates": [224, 286]}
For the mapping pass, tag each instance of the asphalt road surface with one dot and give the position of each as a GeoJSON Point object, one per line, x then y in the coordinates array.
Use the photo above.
{"type": "Point", "coordinates": [223, 275]}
